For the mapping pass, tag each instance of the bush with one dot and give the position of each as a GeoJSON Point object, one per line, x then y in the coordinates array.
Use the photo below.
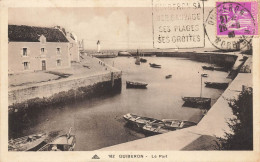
{"type": "Point", "coordinates": [241, 136]}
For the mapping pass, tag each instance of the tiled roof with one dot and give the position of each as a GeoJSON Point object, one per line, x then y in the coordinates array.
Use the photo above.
{"type": "Point", "coordinates": [22, 33]}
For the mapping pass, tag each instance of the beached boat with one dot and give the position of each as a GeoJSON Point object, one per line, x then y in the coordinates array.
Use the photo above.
{"type": "Point", "coordinates": [208, 67]}
{"type": "Point", "coordinates": [130, 84]}
{"type": "Point", "coordinates": [28, 143]}
{"type": "Point", "coordinates": [166, 126]}
{"type": "Point", "coordinates": [65, 142]}
{"type": "Point", "coordinates": [140, 121]}
{"type": "Point", "coordinates": [197, 102]}
{"type": "Point", "coordinates": [168, 76]}
{"type": "Point", "coordinates": [216, 85]}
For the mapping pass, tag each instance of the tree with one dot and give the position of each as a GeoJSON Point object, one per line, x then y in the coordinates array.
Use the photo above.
{"type": "Point", "coordinates": [241, 136]}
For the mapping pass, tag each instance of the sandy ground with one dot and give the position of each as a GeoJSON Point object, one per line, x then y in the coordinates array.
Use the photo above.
{"type": "Point", "coordinates": [88, 66]}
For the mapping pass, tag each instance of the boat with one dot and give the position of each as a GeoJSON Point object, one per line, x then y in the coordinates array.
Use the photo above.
{"type": "Point", "coordinates": [65, 142]}
{"type": "Point", "coordinates": [216, 85]}
{"type": "Point", "coordinates": [197, 102]}
{"type": "Point", "coordinates": [27, 143]}
{"type": "Point", "coordinates": [168, 76]}
{"type": "Point", "coordinates": [155, 65]}
{"type": "Point", "coordinates": [139, 121]}
{"type": "Point", "coordinates": [204, 75]}
{"type": "Point", "coordinates": [143, 60]}
{"type": "Point", "coordinates": [166, 126]}
{"type": "Point", "coordinates": [208, 67]}
{"type": "Point", "coordinates": [130, 84]}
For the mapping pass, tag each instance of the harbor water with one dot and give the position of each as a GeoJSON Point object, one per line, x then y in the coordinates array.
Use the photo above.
{"type": "Point", "coordinates": [98, 122]}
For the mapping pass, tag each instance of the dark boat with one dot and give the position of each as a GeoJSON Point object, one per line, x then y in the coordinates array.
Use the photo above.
{"type": "Point", "coordinates": [197, 102]}
{"type": "Point", "coordinates": [139, 121]}
{"type": "Point", "coordinates": [216, 85]}
{"type": "Point", "coordinates": [64, 142]}
{"type": "Point", "coordinates": [130, 84]}
{"type": "Point", "coordinates": [27, 143]}
{"type": "Point", "coordinates": [155, 65]}
{"type": "Point", "coordinates": [208, 67]}
{"type": "Point", "coordinates": [166, 126]}
{"type": "Point", "coordinates": [168, 76]}
{"type": "Point", "coordinates": [204, 75]}
{"type": "Point", "coordinates": [143, 60]}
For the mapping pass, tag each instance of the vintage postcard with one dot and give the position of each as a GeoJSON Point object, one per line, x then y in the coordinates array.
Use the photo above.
{"type": "Point", "coordinates": [129, 80]}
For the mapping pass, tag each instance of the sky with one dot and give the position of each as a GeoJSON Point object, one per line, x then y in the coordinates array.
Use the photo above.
{"type": "Point", "coordinates": [116, 28]}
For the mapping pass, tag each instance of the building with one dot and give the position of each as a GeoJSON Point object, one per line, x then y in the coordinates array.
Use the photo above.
{"type": "Point", "coordinates": [74, 47]}
{"type": "Point", "coordinates": [36, 48]}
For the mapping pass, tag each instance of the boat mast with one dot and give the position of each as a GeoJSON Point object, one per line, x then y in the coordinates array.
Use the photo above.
{"type": "Point", "coordinates": [201, 85]}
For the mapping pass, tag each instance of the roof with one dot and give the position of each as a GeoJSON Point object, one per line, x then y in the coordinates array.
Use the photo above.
{"type": "Point", "coordinates": [22, 33]}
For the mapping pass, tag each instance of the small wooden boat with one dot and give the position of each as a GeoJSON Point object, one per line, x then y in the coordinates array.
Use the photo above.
{"type": "Point", "coordinates": [64, 142]}
{"type": "Point", "coordinates": [166, 126]}
{"type": "Point", "coordinates": [143, 60]}
{"type": "Point", "coordinates": [130, 84]}
{"type": "Point", "coordinates": [204, 75]}
{"type": "Point", "coordinates": [139, 121]}
{"type": "Point", "coordinates": [155, 65]}
{"type": "Point", "coordinates": [208, 67]}
{"type": "Point", "coordinates": [197, 102]}
{"type": "Point", "coordinates": [168, 76]}
{"type": "Point", "coordinates": [27, 143]}
{"type": "Point", "coordinates": [216, 85]}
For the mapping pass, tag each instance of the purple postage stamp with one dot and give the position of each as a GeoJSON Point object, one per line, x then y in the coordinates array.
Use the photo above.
{"type": "Point", "coordinates": [237, 18]}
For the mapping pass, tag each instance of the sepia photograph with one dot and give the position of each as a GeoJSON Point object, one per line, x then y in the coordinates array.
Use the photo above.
{"type": "Point", "coordinates": [166, 76]}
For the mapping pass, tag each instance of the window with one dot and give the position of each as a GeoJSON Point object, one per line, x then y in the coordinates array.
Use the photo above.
{"type": "Point", "coordinates": [24, 51]}
{"type": "Point", "coordinates": [42, 50]}
{"type": "Point", "coordinates": [26, 65]}
{"type": "Point", "coordinates": [58, 62]}
{"type": "Point", "coordinates": [58, 50]}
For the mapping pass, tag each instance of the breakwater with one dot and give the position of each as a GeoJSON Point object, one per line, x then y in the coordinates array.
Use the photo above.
{"type": "Point", "coordinates": [63, 91]}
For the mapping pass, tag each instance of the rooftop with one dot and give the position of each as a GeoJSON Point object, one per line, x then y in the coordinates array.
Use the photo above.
{"type": "Point", "coordinates": [22, 33]}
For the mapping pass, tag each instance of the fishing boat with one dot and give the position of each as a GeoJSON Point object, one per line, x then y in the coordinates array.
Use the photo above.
{"type": "Point", "coordinates": [166, 126]}
{"type": "Point", "coordinates": [168, 76]}
{"type": "Point", "coordinates": [130, 84]}
{"type": "Point", "coordinates": [216, 85]}
{"type": "Point", "coordinates": [65, 142]}
{"type": "Point", "coordinates": [143, 60]}
{"type": "Point", "coordinates": [208, 67]}
{"type": "Point", "coordinates": [139, 121]}
{"type": "Point", "coordinates": [27, 143]}
{"type": "Point", "coordinates": [197, 102]}
{"type": "Point", "coordinates": [137, 61]}
{"type": "Point", "coordinates": [204, 75]}
{"type": "Point", "coordinates": [155, 65]}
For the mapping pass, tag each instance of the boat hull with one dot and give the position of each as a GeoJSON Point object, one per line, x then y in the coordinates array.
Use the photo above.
{"type": "Point", "coordinates": [136, 85]}
{"type": "Point", "coordinates": [216, 85]}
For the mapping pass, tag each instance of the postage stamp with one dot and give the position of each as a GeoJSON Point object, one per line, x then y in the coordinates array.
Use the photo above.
{"type": "Point", "coordinates": [237, 18]}
{"type": "Point", "coordinates": [230, 26]}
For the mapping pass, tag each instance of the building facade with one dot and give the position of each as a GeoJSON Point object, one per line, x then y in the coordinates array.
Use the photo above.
{"type": "Point", "coordinates": [36, 48]}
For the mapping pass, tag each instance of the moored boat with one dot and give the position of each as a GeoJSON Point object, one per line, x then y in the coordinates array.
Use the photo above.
{"type": "Point", "coordinates": [204, 75]}
{"type": "Point", "coordinates": [166, 126]}
{"type": "Point", "coordinates": [155, 65]}
{"type": "Point", "coordinates": [140, 121]}
{"type": "Point", "coordinates": [216, 85]}
{"type": "Point", "coordinates": [65, 142]}
{"type": "Point", "coordinates": [208, 67]}
{"type": "Point", "coordinates": [130, 84]}
{"type": "Point", "coordinates": [197, 102]}
{"type": "Point", "coordinates": [124, 53]}
{"type": "Point", "coordinates": [143, 60]}
{"type": "Point", "coordinates": [168, 76]}
{"type": "Point", "coordinates": [27, 143]}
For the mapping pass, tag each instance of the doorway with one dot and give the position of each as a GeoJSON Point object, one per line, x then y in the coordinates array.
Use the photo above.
{"type": "Point", "coordinates": [43, 65]}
